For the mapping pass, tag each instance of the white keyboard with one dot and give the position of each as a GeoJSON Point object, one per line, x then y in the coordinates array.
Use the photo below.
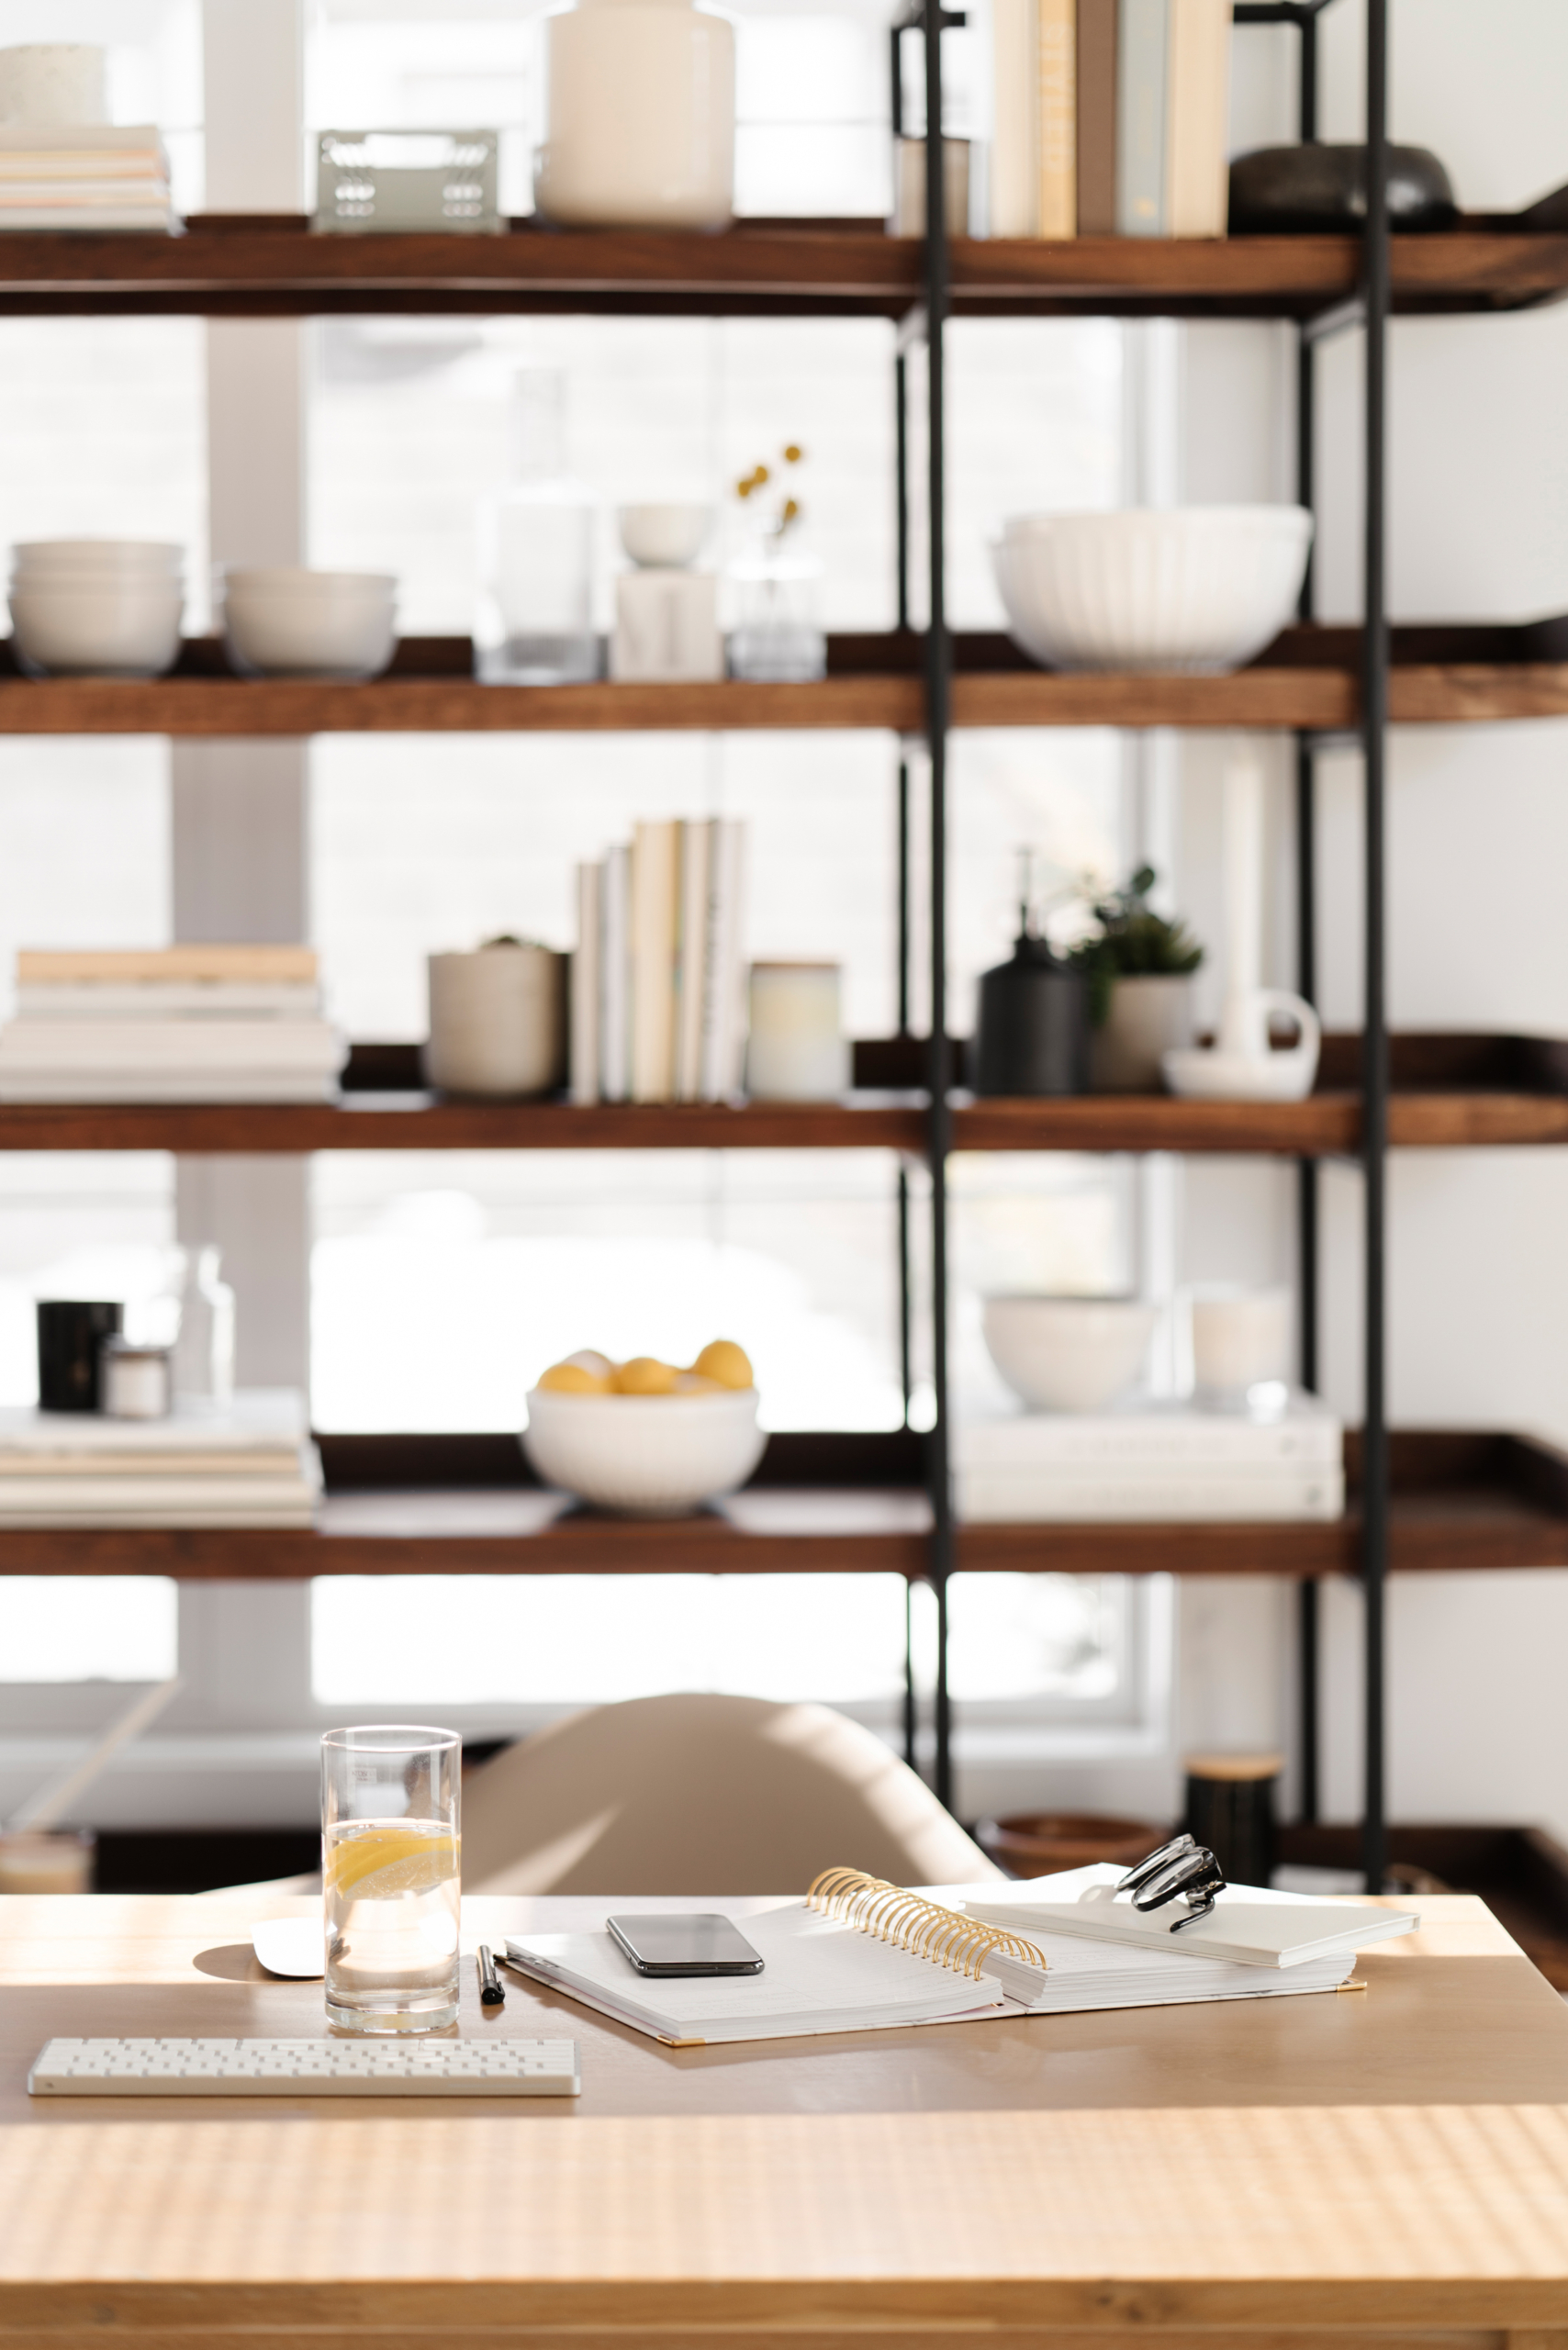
{"type": "Point", "coordinates": [306, 2069]}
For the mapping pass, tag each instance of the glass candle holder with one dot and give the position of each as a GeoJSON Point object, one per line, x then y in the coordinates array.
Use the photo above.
{"type": "Point", "coordinates": [390, 1877]}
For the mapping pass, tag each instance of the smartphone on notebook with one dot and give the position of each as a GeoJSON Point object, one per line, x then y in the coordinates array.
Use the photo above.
{"type": "Point", "coordinates": [691, 1942]}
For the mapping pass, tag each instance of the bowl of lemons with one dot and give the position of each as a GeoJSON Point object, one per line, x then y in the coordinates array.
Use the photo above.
{"type": "Point", "coordinates": [646, 1438]}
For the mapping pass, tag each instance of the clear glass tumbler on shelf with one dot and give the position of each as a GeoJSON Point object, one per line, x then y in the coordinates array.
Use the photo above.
{"type": "Point", "coordinates": [390, 1877]}
{"type": "Point", "coordinates": [535, 623]}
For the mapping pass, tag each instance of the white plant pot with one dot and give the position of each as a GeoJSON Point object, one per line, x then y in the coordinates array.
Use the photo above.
{"type": "Point", "coordinates": [641, 117]}
{"type": "Point", "coordinates": [497, 1020]}
{"type": "Point", "coordinates": [1147, 1016]}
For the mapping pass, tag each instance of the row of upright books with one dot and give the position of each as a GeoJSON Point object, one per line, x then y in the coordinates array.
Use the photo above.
{"type": "Point", "coordinates": [1110, 118]}
{"type": "Point", "coordinates": [657, 975]}
{"type": "Point", "coordinates": [172, 1024]}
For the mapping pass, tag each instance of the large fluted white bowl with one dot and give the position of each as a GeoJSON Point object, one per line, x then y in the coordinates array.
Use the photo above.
{"type": "Point", "coordinates": [1068, 1354]}
{"type": "Point", "coordinates": [644, 1455]}
{"type": "Point", "coordinates": [1191, 589]}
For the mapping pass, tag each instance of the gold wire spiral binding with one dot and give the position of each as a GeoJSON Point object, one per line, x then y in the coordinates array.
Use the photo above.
{"type": "Point", "coordinates": [909, 1921]}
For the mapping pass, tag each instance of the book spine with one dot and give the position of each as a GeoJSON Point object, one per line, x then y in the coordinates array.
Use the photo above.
{"type": "Point", "coordinates": [1015, 140]}
{"type": "Point", "coordinates": [613, 985]}
{"type": "Point", "coordinates": [1143, 28]}
{"type": "Point", "coordinates": [1197, 180]}
{"type": "Point", "coordinates": [1095, 55]}
{"type": "Point", "coordinates": [1127, 1500]}
{"type": "Point", "coordinates": [1058, 117]}
{"type": "Point", "coordinates": [691, 960]}
{"type": "Point", "coordinates": [655, 876]}
{"type": "Point", "coordinates": [587, 962]}
{"type": "Point", "coordinates": [731, 977]}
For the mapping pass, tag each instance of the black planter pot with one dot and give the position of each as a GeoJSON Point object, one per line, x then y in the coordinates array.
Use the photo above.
{"type": "Point", "coordinates": [1033, 1035]}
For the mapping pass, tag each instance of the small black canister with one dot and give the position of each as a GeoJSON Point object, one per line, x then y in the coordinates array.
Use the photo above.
{"type": "Point", "coordinates": [1032, 1033]}
{"type": "Point", "coordinates": [1230, 1808]}
{"type": "Point", "coordinates": [71, 1332]}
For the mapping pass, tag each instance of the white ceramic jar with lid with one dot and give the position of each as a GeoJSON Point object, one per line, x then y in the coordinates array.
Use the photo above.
{"type": "Point", "coordinates": [640, 122]}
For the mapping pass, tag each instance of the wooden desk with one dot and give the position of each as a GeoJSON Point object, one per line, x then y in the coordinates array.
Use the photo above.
{"type": "Point", "coordinates": [1389, 2169]}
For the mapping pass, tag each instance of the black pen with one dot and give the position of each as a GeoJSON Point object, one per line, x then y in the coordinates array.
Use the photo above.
{"type": "Point", "coordinates": [491, 1994]}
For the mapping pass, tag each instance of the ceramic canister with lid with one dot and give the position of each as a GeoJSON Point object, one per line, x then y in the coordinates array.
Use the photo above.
{"type": "Point", "coordinates": [497, 1020]}
{"type": "Point", "coordinates": [1033, 1035]}
{"type": "Point", "coordinates": [641, 128]}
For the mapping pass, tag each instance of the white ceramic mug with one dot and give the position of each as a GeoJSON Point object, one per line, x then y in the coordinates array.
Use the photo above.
{"type": "Point", "coordinates": [1241, 1338]}
{"type": "Point", "coordinates": [496, 1022]}
{"type": "Point", "coordinates": [1243, 1027]}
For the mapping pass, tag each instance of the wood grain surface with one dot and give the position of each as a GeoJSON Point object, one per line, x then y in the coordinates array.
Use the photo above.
{"type": "Point", "coordinates": [270, 266]}
{"type": "Point", "coordinates": [1390, 2166]}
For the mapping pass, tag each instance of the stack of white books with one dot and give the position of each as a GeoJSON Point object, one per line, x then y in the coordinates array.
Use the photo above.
{"type": "Point", "coordinates": [174, 1023]}
{"type": "Point", "coordinates": [1151, 1460]}
{"type": "Point", "coordinates": [658, 1010]}
{"type": "Point", "coordinates": [57, 175]}
{"type": "Point", "coordinates": [246, 1463]}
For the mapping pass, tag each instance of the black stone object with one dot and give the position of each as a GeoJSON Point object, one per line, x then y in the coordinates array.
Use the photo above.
{"type": "Point", "coordinates": [1322, 191]}
{"type": "Point", "coordinates": [70, 1341]}
{"type": "Point", "coordinates": [1033, 1035]}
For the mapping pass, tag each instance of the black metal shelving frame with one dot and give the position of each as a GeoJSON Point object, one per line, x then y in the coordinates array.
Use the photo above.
{"type": "Point", "coordinates": [1371, 312]}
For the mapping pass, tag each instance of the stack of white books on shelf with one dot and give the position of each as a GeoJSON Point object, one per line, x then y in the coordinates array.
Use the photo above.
{"type": "Point", "coordinates": [248, 1462]}
{"type": "Point", "coordinates": [656, 1004]}
{"type": "Point", "coordinates": [1151, 1460]}
{"type": "Point", "coordinates": [1110, 118]}
{"type": "Point", "coordinates": [174, 1023]}
{"type": "Point", "coordinates": [61, 175]}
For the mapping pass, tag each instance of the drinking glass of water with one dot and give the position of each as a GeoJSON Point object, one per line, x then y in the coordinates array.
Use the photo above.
{"type": "Point", "coordinates": [389, 1876]}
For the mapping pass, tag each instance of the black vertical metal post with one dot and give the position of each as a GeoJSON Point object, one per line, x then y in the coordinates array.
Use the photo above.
{"type": "Point", "coordinates": [1308, 1629]}
{"type": "Point", "coordinates": [937, 679]}
{"type": "Point", "coordinates": [1375, 689]}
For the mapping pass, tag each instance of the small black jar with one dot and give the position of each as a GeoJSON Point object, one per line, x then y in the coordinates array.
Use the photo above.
{"type": "Point", "coordinates": [1032, 1033]}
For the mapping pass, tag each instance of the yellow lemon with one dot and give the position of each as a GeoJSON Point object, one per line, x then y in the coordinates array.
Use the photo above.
{"type": "Point", "coordinates": [645, 1375]}
{"type": "Point", "coordinates": [722, 1360]}
{"type": "Point", "coordinates": [377, 1863]}
{"type": "Point", "coordinates": [571, 1379]}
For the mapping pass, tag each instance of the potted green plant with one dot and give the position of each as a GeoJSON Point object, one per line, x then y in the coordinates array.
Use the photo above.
{"type": "Point", "coordinates": [1139, 965]}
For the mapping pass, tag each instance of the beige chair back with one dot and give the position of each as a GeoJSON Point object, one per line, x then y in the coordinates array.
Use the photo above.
{"type": "Point", "coordinates": [704, 1794]}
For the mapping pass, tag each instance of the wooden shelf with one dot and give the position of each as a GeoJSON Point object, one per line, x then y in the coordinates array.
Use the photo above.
{"type": "Point", "coordinates": [272, 266]}
{"type": "Point", "coordinates": [1450, 1092]}
{"type": "Point", "coordinates": [1308, 679]}
{"type": "Point", "coordinates": [820, 1505]}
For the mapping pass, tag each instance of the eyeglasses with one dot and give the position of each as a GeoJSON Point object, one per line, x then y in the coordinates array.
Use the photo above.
{"type": "Point", "coordinates": [1180, 1868]}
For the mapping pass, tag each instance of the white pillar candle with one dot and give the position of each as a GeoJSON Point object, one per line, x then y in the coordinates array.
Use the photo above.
{"type": "Point", "coordinates": [796, 1051]}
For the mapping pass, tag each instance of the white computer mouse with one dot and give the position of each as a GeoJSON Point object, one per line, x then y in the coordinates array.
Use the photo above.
{"type": "Point", "coordinates": [291, 1946]}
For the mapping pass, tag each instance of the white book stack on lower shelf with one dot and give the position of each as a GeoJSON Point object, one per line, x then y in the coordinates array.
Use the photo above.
{"type": "Point", "coordinates": [249, 1463]}
{"type": "Point", "coordinates": [176, 1024]}
{"type": "Point", "coordinates": [1151, 1461]}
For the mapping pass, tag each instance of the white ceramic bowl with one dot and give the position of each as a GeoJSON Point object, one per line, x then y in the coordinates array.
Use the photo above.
{"type": "Point", "coordinates": [107, 629]}
{"type": "Point", "coordinates": [1069, 1354]}
{"type": "Point", "coordinates": [1193, 590]}
{"type": "Point", "coordinates": [319, 625]}
{"type": "Point", "coordinates": [667, 536]}
{"type": "Point", "coordinates": [41, 558]}
{"type": "Point", "coordinates": [644, 1455]}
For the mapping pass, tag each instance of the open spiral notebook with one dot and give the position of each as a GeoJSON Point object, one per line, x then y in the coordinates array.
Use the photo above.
{"type": "Point", "coordinates": [827, 1967]}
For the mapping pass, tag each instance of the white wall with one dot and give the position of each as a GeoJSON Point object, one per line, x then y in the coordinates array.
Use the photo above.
{"type": "Point", "coordinates": [1478, 822]}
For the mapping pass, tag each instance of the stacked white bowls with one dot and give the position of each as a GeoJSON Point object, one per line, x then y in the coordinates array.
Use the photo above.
{"type": "Point", "coordinates": [1193, 589]}
{"type": "Point", "coordinates": [293, 623]}
{"type": "Point", "coordinates": [96, 608]}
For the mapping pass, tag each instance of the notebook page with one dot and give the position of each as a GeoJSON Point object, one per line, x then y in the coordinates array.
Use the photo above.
{"type": "Point", "coordinates": [814, 1968]}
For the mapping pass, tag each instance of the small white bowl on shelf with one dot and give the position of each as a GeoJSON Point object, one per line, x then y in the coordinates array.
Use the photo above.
{"type": "Point", "coordinates": [1068, 1354]}
{"type": "Point", "coordinates": [1193, 590]}
{"type": "Point", "coordinates": [83, 626]}
{"type": "Point", "coordinates": [36, 560]}
{"type": "Point", "coordinates": [286, 623]}
{"type": "Point", "coordinates": [644, 1455]}
{"type": "Point", "coordinates": [666, 537]}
